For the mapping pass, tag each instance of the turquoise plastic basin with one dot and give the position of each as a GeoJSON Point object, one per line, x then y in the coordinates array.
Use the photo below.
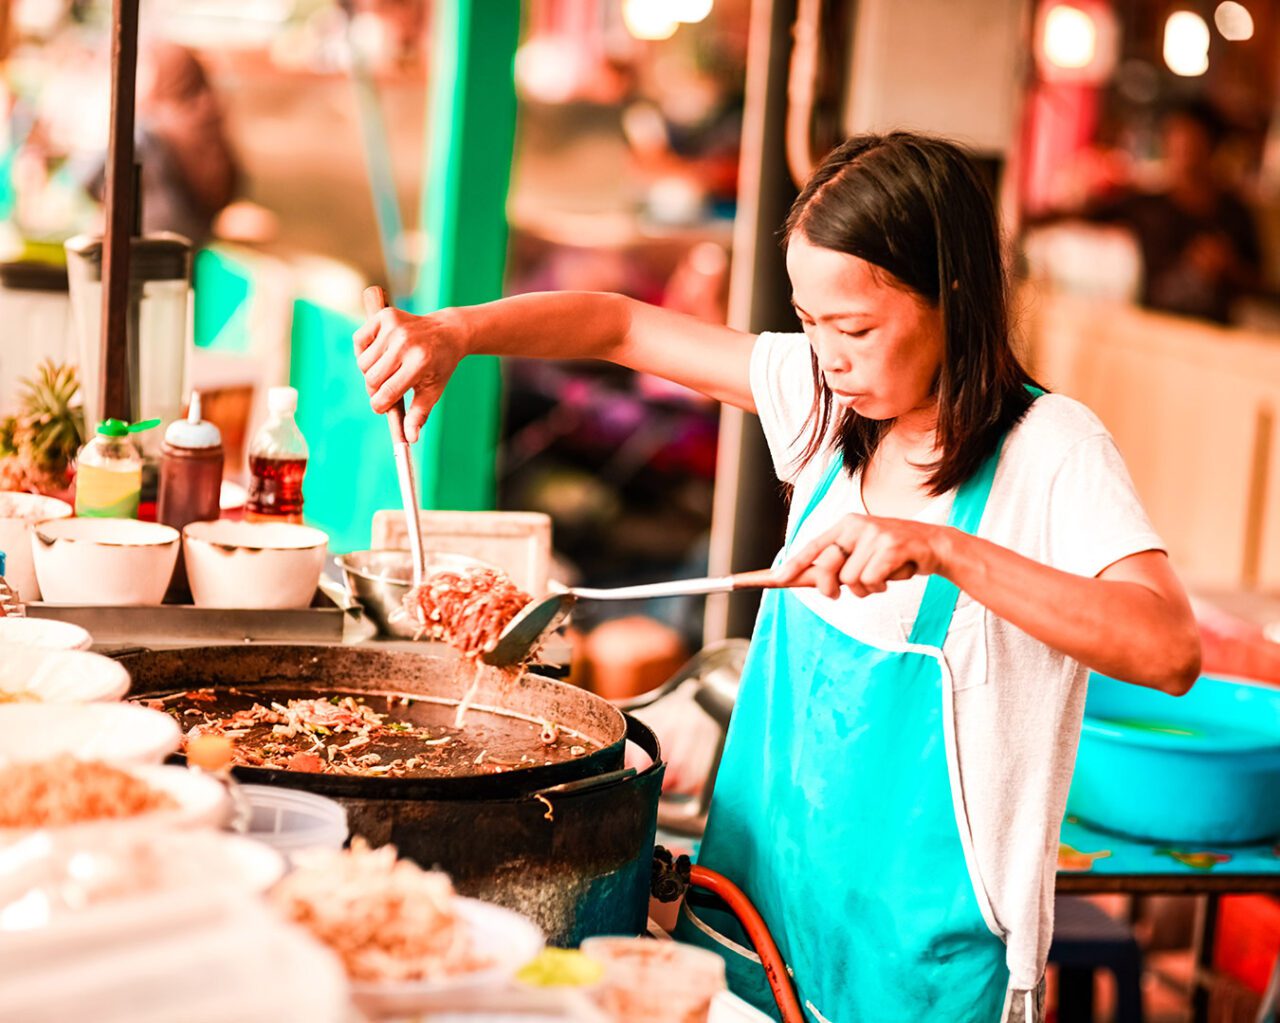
{"type": "Point", "coordinates": [1197, 769]}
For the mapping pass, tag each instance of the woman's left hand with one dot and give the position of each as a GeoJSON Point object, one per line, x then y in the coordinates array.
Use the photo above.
{"type": "Point", "coordinates": [865, 554]}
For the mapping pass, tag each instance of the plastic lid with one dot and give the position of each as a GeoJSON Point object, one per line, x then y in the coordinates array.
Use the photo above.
{"type": "Point", "coordinates": [289, 820]}
{"type": "Point", "coordinates": [282, 401]}
{"type": "Point", "coordinates": [119, 428]}
{"type": "Point", "coordinates": [193, 432]}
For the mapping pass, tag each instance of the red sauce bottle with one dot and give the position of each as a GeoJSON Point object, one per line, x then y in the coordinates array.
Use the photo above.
{"type": "Point", "coordinates": [277, 462]}
{"type": "Point", "coordinates": [190, 487]}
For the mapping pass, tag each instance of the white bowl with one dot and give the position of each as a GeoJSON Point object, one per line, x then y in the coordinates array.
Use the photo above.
{"type": "Point", "coordinates": [98, 872]}
{"type": "Point", "coordinates": [501, 935]}
{"type": "Point", "coordinates": [253, 564]}
{"type": "Point", "coordinates": [59, 676]}
{"type": "Point", "coordinates": [18, 513]}
{"type": "Point", "coordinates": [43, 632]}
{"type": "Point", "coordinates": [113, 562]}
{"type": "Point", "coordinates": [118, 733]}
{"type": "Point", "coordinates": [202, 802]}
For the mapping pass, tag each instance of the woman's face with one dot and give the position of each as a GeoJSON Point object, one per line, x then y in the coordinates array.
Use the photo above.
{"type": "Point", "coordinates": [879, 345]}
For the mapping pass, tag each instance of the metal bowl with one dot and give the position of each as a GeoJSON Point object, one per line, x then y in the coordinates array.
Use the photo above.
{"type": "Point", "coordinates": [379, 580]}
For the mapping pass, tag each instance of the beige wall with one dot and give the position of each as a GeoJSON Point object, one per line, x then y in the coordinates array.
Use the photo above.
{"type": "Point", "coordinates": [947, 66]}
{"type": "Point", "coordinates": [1193, 408]}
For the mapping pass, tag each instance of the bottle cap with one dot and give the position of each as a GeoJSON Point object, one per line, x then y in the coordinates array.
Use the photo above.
{"type": "Point", "coordinates": [119, 428]}
{"type": "Point", "coordinates": [193, 432]}
{"type": "Point", "coordinates": [282, 401]}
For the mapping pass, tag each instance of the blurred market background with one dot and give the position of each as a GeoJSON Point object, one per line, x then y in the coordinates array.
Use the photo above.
{"type": "Point", "coordinates": [307, 149]}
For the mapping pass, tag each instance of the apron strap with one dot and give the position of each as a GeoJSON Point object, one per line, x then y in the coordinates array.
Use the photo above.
{"type": "Point", "coordinates": [933, 621]}
{"type": "Point", "coordinates": [819, 492]}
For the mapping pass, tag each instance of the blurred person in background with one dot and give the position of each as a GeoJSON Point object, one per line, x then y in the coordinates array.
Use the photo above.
{"type": "Point", "coordinates": [1197, 237]}
{"type": "Point", "coordinates": [189, 171]}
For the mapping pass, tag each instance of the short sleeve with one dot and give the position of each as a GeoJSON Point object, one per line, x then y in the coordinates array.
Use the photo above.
{"type": "Point", "coordinates": [783, 389]}
{"type": "Point", "coordinates": [1095, 517]}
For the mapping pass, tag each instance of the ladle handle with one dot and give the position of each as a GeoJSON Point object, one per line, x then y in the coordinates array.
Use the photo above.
{"type": "Point", "coordinates": [375, 300]}
{"type": "Point", "coordinates": [762, 579]}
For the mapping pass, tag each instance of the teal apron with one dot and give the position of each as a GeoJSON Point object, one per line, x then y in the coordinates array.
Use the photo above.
{"type": "Point", "coordinates": [837, 810]}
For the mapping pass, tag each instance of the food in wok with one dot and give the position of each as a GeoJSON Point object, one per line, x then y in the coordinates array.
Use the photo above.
{"type": "Point", "coordinates": [366, 733]}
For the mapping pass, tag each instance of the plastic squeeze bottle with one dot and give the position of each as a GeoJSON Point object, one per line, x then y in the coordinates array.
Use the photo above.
{"type": "Point", "coordinates": [190, 480]}
{"type": "Point", "coordinates": [277, 462]}
{"type": "Point", "coordinates": [109, 471]}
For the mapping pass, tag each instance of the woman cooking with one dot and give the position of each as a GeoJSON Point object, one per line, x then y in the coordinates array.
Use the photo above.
{"type": "Point", "coordinates": [898, 762]}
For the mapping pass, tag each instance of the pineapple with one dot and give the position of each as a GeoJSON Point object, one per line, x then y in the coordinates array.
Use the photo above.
{"type": "Point", "coordinates": [38, 446]}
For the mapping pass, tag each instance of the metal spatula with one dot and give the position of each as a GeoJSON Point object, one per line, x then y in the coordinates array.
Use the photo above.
{"type": "Point", "coordinates": [542, 616]}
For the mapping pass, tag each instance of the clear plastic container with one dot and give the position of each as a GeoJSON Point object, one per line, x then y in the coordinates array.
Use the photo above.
{"type": "Point", "coordinates": [10, 604]}
{"type": "Point", "coordinates": [648, 981]}
{"type": "Point", "coordinates": [290, 821]}
{"type": "Point", "coordinates": [277, 462]}
{"type": "Point", "coordinates": [109, 471]}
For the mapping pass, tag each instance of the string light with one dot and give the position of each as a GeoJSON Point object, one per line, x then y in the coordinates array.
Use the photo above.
{"type": "Point", "coordinates": [690, 11]}
{"type": "Point", "coordinates": [1186, 44]}
{"type": "Point", "coordinates": [1234, 21]}
{"type": "Point", "coordinates": [1070, 37]}
{"type": "Point", "coordinates": [650, 19]}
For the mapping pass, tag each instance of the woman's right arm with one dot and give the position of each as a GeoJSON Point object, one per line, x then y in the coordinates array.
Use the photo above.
{"type": "Point", "coordinates": [398, 352]}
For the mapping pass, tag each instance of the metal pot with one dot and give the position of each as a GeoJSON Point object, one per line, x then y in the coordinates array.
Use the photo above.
{"type": "Point", "coordinates": [379, 580]}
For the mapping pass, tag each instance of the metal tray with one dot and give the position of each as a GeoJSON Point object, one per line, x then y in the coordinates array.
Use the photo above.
{"type": "Point", "coordinates": [187, 625]}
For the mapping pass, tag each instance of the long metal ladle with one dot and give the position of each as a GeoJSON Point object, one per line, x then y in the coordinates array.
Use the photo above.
{"type": "Point", "coordinates": [375, 300]}
{"type": "Point", "coordinates": [540, 617]}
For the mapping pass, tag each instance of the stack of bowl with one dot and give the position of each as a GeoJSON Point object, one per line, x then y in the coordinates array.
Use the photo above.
{"type": "Point", "coordinates": [18, 514]}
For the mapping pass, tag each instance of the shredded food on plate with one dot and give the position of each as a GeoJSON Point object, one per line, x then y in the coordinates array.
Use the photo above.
{"type": "Point", "coordinates": [63, 790]}
{"type": "Point", "coordinates": [387, 919]}
{"type": "Point", "coordinates": [18, 696]}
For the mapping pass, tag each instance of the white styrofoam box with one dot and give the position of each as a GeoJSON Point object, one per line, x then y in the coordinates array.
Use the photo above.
{"type": "Point", "coordinates": [517, 542]}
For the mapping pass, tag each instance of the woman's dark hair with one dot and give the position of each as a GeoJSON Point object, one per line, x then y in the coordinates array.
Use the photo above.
{"type": "Point", "coordinates": [916, 207]}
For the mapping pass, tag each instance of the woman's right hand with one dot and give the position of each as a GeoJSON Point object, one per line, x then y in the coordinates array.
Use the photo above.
{"type": "Point", "coordinates": [398, 352]}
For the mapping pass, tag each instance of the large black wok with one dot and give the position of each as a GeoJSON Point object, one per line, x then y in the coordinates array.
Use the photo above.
{"type": "Point", "coordinates": [507, 712]}
{"type": "Point", "coordinates": [570, 844]}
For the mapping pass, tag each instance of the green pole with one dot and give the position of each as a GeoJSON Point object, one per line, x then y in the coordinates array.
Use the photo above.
{"type": "Point", "coordinates": [464, 220]}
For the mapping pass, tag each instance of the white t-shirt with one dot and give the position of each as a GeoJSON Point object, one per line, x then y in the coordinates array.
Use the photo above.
{"type": "Point", "coordinates": [1061, 496]}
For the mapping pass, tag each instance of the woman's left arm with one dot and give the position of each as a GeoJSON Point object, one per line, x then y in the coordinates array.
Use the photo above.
{"type": "Point", "coordinates": [1132, 621]}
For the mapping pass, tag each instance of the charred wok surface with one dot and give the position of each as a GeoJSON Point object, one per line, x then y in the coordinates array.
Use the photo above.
{"type": "Point", "coordinates": [394, 734]}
